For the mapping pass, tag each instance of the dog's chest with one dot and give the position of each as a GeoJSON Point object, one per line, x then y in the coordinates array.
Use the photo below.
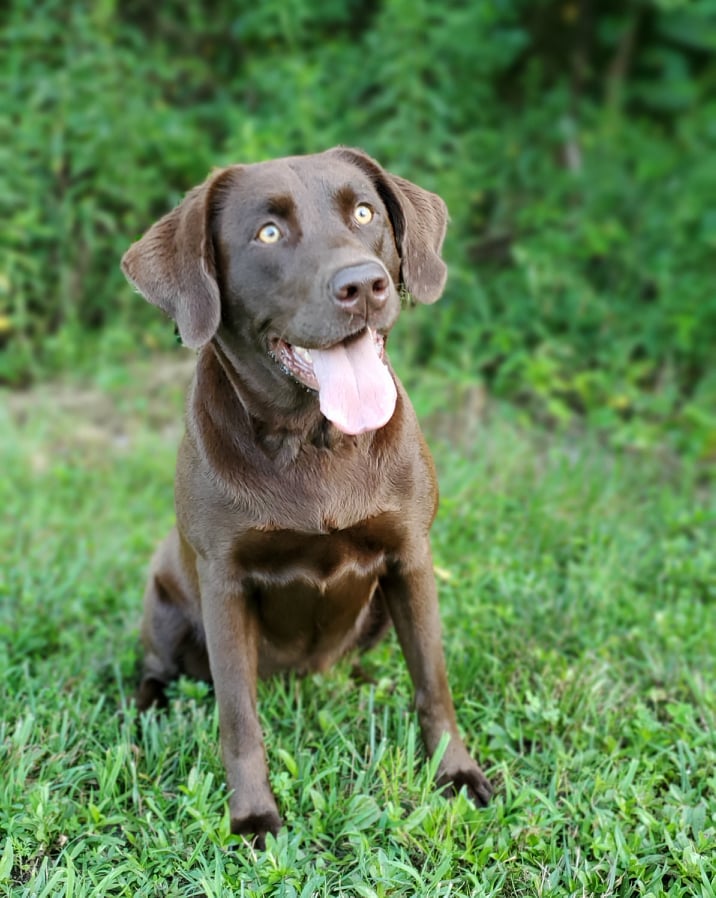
{"type": "Point", "coordinates": [312, 590]}
{"type": "Point", "coordinates": [348, 496]}
{"type": "Point", "coordinates": [320, 557]}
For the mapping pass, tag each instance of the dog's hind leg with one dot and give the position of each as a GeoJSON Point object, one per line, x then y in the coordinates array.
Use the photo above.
{"type": "Point", "coordinates": [173, 640]}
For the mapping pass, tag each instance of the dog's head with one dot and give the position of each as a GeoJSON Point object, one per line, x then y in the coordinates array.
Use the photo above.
{"type": "Point", "coordinates": [299, 262]}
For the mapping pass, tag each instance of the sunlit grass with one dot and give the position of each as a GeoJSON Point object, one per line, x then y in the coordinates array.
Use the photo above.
{"type": "Point", "coordinates": [577, 591]}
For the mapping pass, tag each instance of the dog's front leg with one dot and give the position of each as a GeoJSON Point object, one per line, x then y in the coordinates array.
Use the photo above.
{"type": "Point", "coordinates": [232, 639]}
{"type": "Point", "coordinates": [410, 591]}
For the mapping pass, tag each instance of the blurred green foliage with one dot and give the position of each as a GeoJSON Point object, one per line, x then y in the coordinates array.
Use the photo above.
{"type": "Point", "coordinates": [574, 142]}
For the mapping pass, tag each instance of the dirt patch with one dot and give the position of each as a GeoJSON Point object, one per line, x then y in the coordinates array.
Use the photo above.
{"type": "Point", "coordinates": [137, 398]}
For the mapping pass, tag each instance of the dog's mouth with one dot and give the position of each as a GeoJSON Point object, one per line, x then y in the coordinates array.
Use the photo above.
{"type": "Point", "coordinates": [355, 387]}
{"type": "Point", "coordinates": [297, 361]}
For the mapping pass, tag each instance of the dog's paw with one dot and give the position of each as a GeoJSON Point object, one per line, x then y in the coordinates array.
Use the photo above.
{"type": "Point", "coordinates": [255, 827]}
{"type": "Point", "coordinates": [478, 787]}
{"type": "Point", "coordinates": [151, 694]}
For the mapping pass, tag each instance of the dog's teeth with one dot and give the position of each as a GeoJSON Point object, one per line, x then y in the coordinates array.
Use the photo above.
{"type": "Point", "coordinates": [302, 353]}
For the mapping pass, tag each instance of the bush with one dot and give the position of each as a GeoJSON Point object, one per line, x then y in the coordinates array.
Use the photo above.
{"type": "Point", "coordinates": [572, 144]}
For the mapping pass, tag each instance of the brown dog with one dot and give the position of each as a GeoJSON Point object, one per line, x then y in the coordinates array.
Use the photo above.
{"type": "Point", "coordinates": [304, 489]}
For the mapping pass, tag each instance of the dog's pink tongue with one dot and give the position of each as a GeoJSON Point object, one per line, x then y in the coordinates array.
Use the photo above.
{"type": "Point", "coordinates": [356, 391]}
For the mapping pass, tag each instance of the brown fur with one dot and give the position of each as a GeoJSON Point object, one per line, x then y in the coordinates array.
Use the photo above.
{"type": "Point", "coordinates": [294, 541]}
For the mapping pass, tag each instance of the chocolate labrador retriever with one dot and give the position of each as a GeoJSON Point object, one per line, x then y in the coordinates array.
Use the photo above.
{"type": "Point", "coordinates": [304, 489]}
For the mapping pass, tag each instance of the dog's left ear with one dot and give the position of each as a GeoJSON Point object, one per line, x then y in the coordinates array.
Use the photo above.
{"type": "Point", "coordinates": [419, 220]}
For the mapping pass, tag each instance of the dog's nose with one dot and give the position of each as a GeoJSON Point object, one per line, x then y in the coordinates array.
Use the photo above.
{"type": "Point", "coordinates": [366, 285]}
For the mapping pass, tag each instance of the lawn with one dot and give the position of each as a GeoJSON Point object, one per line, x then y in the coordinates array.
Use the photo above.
{"type": "Point", "coordinates": [578, 591]}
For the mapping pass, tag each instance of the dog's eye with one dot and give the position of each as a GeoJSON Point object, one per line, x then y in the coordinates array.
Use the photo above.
{"type": "Point", "coordinates": [362, 213]}
{"type": "Point", "coordinates": [269, 233]}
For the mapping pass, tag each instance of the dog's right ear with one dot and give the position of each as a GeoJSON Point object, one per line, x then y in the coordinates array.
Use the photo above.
{"type": "Point", "coordinates": [173, 264]}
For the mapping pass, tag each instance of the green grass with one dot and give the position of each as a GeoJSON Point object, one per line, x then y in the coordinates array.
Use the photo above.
{"type": "Point", "coordinates": [578, 590]}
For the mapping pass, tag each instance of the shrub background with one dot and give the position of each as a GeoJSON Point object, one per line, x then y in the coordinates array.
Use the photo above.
{"type": "Point", "coordinates": [575, 143]}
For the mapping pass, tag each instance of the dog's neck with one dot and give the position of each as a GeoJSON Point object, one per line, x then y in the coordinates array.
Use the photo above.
{"type": "Point", "coordinates": [282, 422]}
